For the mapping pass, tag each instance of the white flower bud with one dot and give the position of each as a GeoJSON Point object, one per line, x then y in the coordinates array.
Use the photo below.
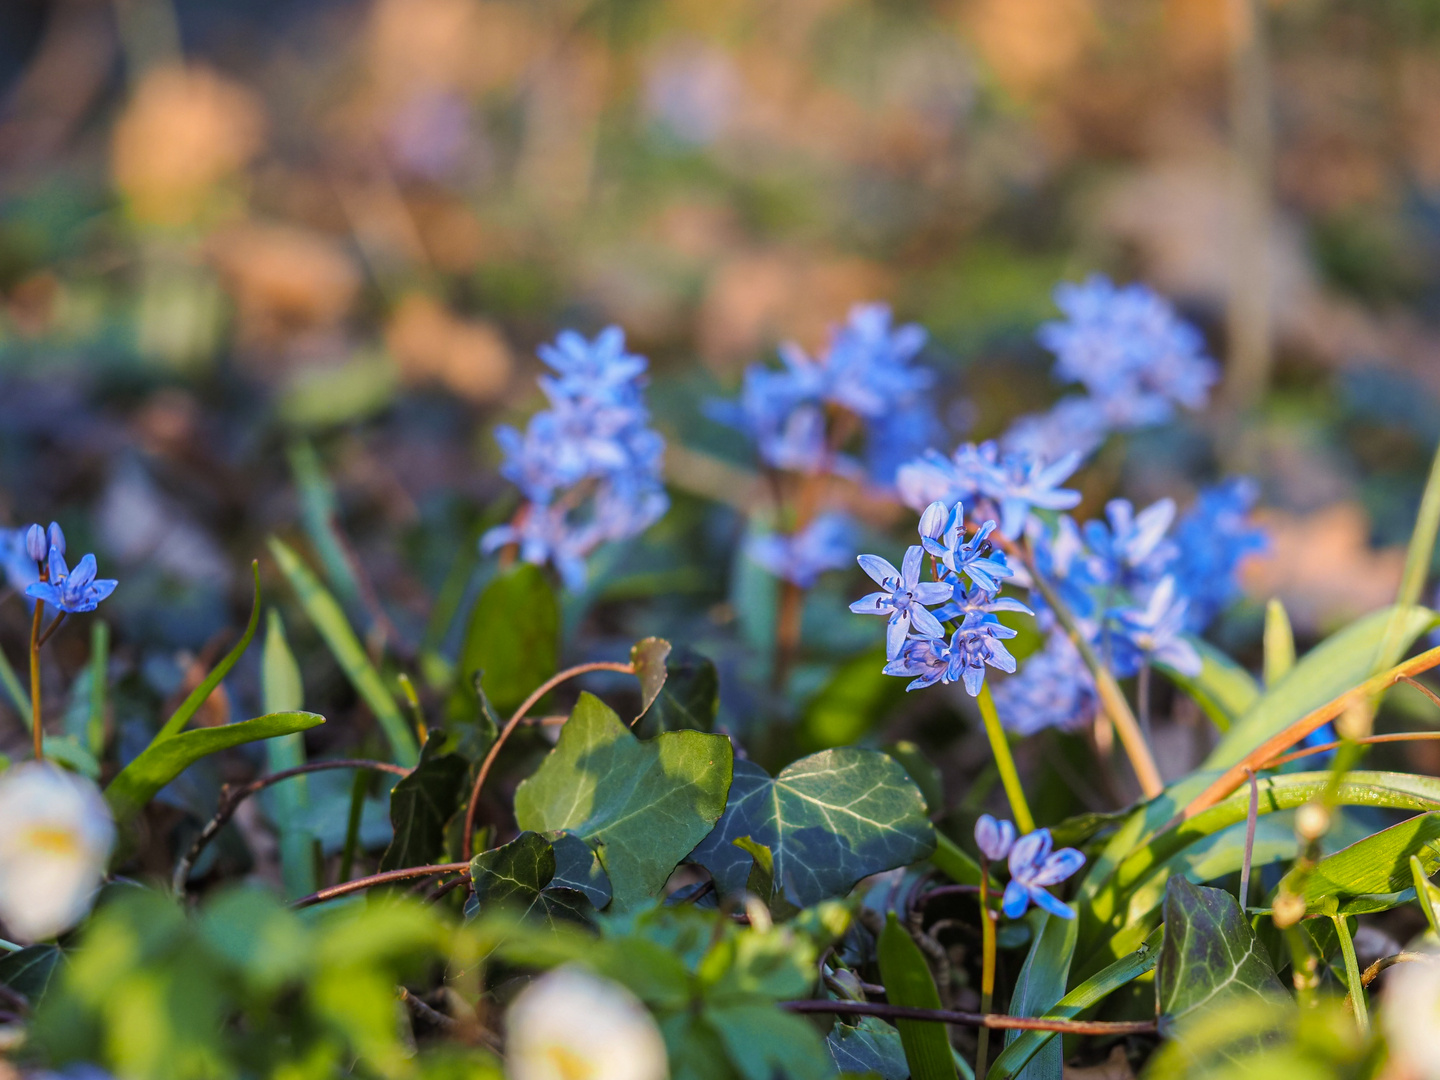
{"type": "Point", "coordinates": [571, 1025]}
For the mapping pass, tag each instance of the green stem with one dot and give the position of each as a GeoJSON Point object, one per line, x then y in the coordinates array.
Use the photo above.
{"type": "Point", "coordinates": [1009, 777]}
{"type": "Point", "coordinates": [358, 788]}
{"type": "Point", "coordinates": [987, 968]}
{"type": "Point", "coordinates": [1352, 974]}
{"type": "Point", "coordinates": [35, 726]}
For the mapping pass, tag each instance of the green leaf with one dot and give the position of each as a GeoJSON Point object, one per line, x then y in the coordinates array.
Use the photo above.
{"type": "Point", "coordinates": [1337, 664]}
{"type": "Point", "coordinates": [163, 760]}
{"type": "Point", "coordinates": [330, 620]}
{"type": "Point", "coordinates": [761, 881]}
{"type": "Point", "coordinates": [1087, 994]}
{"type": "Point", "coordinates": [519, 877]}
{"type": "Point", "coordinates": [1040, 986]}
{"type": "Point", "coordinates": [99, 669]}
{"type": "Point", "coordinates": [1279, 643]}
{"type": "Point", "coordinates": [281, 690]}
{"type": "Point", "coordinates": [643, 805]}
{"type": "Point", "coordinates": [871, 1046]}
{"type": "Point", "coordinates": [954, 861]}
{"type": "Point", "coordinates": [181, 716]}
{"type": "Point", "coordinates": [30, 970]}
{"type": "Point", "coordinates": [688, 698]}
{"type": "Point", "coordinates": [829, 820]}
{"type": "Point", "coordinates": [1209, 954]}
{"type": "Point", "coordinates": [422, 803]}
{"type": "Point", "coordinates": [512, 640]}
{"type": "Point", "coordinates": [318, 511]}
{"type": "Point", "coordinates": [908, 982]}
{"type": "Point", "coordinates": [1418, 559]}
{"type": "Point", "coordinates": [1427, 893]}
{"type": "Point", "coordinates": [17, 693]}
{"type": "Point", "coordinates": [764, 1042]}
{"type": "Point", "coordinates": [578, 868]}
{"type": "Point", "coordinates": [1223, 689]}
{"type": "Point", "coordinates": [1379, 864]}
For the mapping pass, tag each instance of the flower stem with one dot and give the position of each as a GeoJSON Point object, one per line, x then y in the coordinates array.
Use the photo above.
{"type": "Point", "coordinates": [1352, 974]}
{"type": "Point", "coordinates": [1004, 762]}
{"type": "Point", "coordinates": [987, 968]}
{"type": "Point", "coordinates": [36, 728]}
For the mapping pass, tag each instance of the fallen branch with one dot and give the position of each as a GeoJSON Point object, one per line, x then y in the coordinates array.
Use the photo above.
{"type": "Point", "coordinates": [358, 884]}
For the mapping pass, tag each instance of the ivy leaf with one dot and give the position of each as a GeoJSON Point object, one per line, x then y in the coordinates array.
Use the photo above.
{"type": "Point", "coordinates": [761, 881]}
{"type": "Point", "coordinates": [30, 970]}
{"type": "Point", "coordinates": [422, 803]}
{"type": "Point", "coordinates": [512, 640]}
{"type": "Point", "coordinates": [763, 1042]}
{"type": "Point", "coordinates": [871, 1046]}
{"type": "Point", "coordinates": [520, 876]}
{"type": "Point", "coordinates": [642, 805]}
{"type": "Point", "coordinates": [687, 698]}
{"type": "Point", "coordinates": [578, 868]}
{"type": "Point", "coordinates": [1208, 955]}
{"type": "Point", "coordinates": [829, 820]}
{"type": "Point", "coordinates": [1373, 874]}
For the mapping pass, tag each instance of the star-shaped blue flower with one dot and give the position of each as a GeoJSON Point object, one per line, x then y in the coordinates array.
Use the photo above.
{"type": "Point", "coordinates": [1033, 866]}
{"type": "Point", "coordinates": [72, 591]}
{"type": "Point", "coordinates": [942, 531]}
{"type": "Point", "coordinates": [903, 597]}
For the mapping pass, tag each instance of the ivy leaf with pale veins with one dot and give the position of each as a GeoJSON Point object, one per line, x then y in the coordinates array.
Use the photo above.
{"type": "Point", "coordinates": [687, 698]}
{"type": "Point", "coordinates": [829, 820]}
{"type": "Point", "coordinates": [578, 868]}
{"type": "Point", "coordinates": [1209, 954]}
{"type": "Point", "coordinates": [1374, 873]}
{"type": "Point", "coordinates": [422, 803]}
{"type": "Point", "coordinates": [520, 876]}
{"type": "Point", "coordinates": [641, 805]}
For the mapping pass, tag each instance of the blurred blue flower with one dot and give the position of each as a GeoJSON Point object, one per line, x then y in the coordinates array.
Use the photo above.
{"type": "Point", "coordinates": [72, 591]}
{"type": "Point", "coordinates": [825, 544]}
{"type": "Point", "coordinates": [994, 838]}
{"type": "Point", "coordinates": [1033, 867]}
{"type": "Point", "coordinates": [1131, 551]}
{"type": "Point", "coordinates": [1152, 633]}
{"type": "Point", "coordinates": [1212, 539]}
{"type": "Point", "coordinates": [1054, 689]}
{"type": "Point", "coordinates": [1073, 425]}
{"type": "Point", "coordinates": [868, 364]}
{"type": "Point", "coordinates": [589, 465]}
{"type": "Point", "coordinates": [1137, 358]}
{"type": "Point", "coordinates": [902, 599]}
{"type": "Point", "coordinates": [1015, 483]}
{"type": "Point", "coordinates": [20, 567]}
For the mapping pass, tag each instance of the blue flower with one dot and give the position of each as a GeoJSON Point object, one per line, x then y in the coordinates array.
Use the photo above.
{"type": "Point", "coordinates": [1075, 425]}
{"type": "Point", "coordinates": [942, 532]}
{"type": "Point", "coordinates": [1132, 551]}
{"type": "Point", "coordinates": [867, 365]}
{"type": "Point", "coordinates": [994, 838]}
{"type": "Point", "coordinates": [1213, 538]}
{"type": "Point", "coordinates": [599, 370]}
{"type": "Point", "coordinates": [1137, 635]}
{"type": "Point", "coordinates": [973, 599]}
{"type": "Point", "coordinates": [825, 544]}
{"type": "Point", "coordinates": [72, 591]}
{"type": "Point", "coordinates": [1015, 483]}
{"type": "Point", "coordinates": [1137, 358]}
{"type": "Point", "coordinates": [902, 599]}
{"type": "Point", "coordinates": [1033, 867]}
{"type": "Point", "coordinates": [963, 658]}
{"type": "Point", "coordinates": [16, 560]}
{"type": "Point", "coordinates": [1054, 689]}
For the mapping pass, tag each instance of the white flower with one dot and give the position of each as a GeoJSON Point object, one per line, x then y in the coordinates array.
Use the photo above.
{"type": "Point", "coordinates": [1412, 1017]}
{"type": "Point", "coordinates": [54, 842]}
{"type": "Point", "coordinates": [571, 1025]}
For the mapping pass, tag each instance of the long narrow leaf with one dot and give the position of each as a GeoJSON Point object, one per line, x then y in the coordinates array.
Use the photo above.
{"type": "Point", "coordinates": [908, 982]}
{"type": "Point", "coordinates": [1417, 569]}
{"type": "Point", "coordinates": [165, 759]}
{"type": "Point", "coordinates": [330, 620]}
{"type": "Point", "coordinates": [1279, 643]}
{"type": "Point", "coordinates": [99, 668]}
{"type": "Point", "coordinates": [1088, 993]}
{"type": "Point", "coordinates": [1040, 986]}
{"type": "Point", "coordinates": [282, 691]}
{"type": "Point", "coordinates": [15, 689]}
{"type": "Point", "coordinates": [191, 704]}
{"type": "Point", "coordinates": [1223, 689]}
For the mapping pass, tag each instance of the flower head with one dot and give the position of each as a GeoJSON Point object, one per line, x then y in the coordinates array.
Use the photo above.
{"type": "Point", "coordinates": [942, 532]}
{"type": "Point", "coordinates": [1053, 690]}
{"type": "Point", "coordinates": [1033, 866]}
{"type": "Point", "coordinates": [19, 565]}
{"type": "Point", "coordinates": [36, 545]}
{"type": "Point", "coordinates": [993, 837]}
{"type": "Point", "coordinates": [1132, 551]}
{"type": "Point", "coordinates": [53, 849]}
{"type": "Point", "coordinates": [1152, 633]}
{"type": "Point", "coordinates": [800, 558]}
{"type": "Point", "coordinates": [976, 644]}
{"type": "Point", "coordinates": [570, 1024]}
{"type": "Point", "coordinates": [72, 591]}
{"type": "Point", "coordinates": [903, 598]}
{"type": "Point", "coordinates": [1212, 540]}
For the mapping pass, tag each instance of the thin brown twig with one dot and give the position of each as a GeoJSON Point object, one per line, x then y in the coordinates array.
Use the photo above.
{"type": "Point", "coordinates": [969, 1019]}
{"type": "Point", "coordinates": [50, 630]}
{"type": "Point", "coordinates": [468, 843]}
{"type": "Point", "coordinates": [357, 884]}
{"type": "Point", "coordinates": [1372, 972]}
{"type": "Point", "coordinates": [1364, 740]}
{"type": "Point", "coordinates": [1418, 685]}
{"type": "Point", "coordinates": [231, 796]}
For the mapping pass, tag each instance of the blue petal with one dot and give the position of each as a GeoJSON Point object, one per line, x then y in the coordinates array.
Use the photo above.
{"type": "Point", "coordinates": [896, 631]}
{"type": "Point", "coordinates": [974, 678]}
{"type": "Point", "coordinates": [879, 569]}
{"type": "Point", "coordinates": [45, 592]}
{"type": "Point", "coordinates": [1059, 866]}
{"type": "Point", "coordinates": [1028, 853]}
{"type": "Point", "coordinates": [1055, 907]}
{"type": "Point", "coordinates": [993, 837]}
{"type": "Point", "coordinates": [933, 592]}
{"type": "Point", "coordinates": [870, 604]}
{"type": "Point", "coordinates": [910, 565]}
{"type": "Point", "coordinates": [1017, 899]}
{"type": "Point", "coordinates": [926, 623]}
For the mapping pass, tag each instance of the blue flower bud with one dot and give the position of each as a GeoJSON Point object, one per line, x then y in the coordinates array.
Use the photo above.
{"type": "Point", "coordinates": [36, 545]}
{"type": "Point", "coordinates": [57, 537]}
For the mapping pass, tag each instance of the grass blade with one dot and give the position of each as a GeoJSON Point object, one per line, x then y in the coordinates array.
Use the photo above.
{"type": "Point", "coordinates": [908, 982]}
{"type": "Point", "coordinates": [282, 691]}
{"type": "Point", "coordinates": [99, 667]}
{"type": "Point", "coordinates": [325, 611]}
{"type": "Point", "coordinates": [1279, 643]}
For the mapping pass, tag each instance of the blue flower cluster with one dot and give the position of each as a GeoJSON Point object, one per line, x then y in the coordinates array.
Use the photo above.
{"type": "Point", "coordinates": [589, 465]}
{"type": "Point", "coordinates": [1134, 356]}
{"type": "Point", "coordinates": [863, 394]}
{"type": "Point", "coordinates": [964, 593]}
{"type": "Point", "coordinates": [1137, 584]}
{"type": "Point", "coordinates": [1009, 483]}
{"type": "Point", "coordinates": [1033, 866]}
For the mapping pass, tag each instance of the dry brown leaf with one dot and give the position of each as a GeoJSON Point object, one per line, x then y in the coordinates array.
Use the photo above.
{"type": "Point", "coordinates": [432, 345]}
